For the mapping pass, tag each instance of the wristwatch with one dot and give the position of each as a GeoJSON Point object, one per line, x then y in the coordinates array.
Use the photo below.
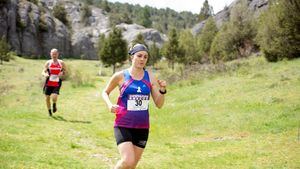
{"type": "Point", "coordinates": [163, 92]}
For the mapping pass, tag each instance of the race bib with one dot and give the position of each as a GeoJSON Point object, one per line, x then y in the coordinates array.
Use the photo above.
{"type": "Point", "coordinates": [137, 102]}
{"type": "Point", "coordinates": [54, 78]}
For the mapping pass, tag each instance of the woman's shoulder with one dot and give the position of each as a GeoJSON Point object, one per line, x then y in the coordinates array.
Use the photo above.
{"type": "Point", "coordinates": [118, 75]}
{"type": "Point", "coordinates": [150, 74]}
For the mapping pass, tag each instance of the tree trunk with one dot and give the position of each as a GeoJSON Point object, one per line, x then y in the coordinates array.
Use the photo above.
{"type": "Point", "coordinates": [114, 68]}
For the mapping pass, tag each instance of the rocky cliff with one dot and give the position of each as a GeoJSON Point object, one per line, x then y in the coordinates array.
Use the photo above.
{"type": "Point", "coordinates": [256, 6]}
{"type": "Point", "coordinates": [21, 24]}
{"type": "Point", "coordinates": [32, 30]}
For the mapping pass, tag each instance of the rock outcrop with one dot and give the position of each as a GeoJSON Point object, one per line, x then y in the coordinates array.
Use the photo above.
{"type": "Point", "coordinates": [130, 31]}
{"type": "Point", "coordinates": [256, 6]}
{"type": "Point", "coordinates": [21, 26]}
{"type": "Point", "coordinates": [32, 30]}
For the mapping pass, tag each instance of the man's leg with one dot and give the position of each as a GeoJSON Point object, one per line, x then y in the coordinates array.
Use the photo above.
{"type": "Point", "coordinates": [54, 100]}
{"type": "Point", "coordinates": [48, 104]}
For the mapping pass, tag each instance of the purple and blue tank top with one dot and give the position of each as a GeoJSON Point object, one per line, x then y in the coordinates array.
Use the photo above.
{"type": "Point", "coordinates": [133, 111]}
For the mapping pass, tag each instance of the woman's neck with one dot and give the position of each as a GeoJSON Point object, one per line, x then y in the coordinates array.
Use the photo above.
{"type": "Point", "coordinates": [136, 73]}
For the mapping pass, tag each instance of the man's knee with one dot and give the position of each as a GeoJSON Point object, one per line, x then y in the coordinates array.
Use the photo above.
{"type": "Point", "coordinates": [54, 96]}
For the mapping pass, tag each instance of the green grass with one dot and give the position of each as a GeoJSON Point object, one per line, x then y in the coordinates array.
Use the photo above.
{"type": "Point", "coordinates": [246, 117]}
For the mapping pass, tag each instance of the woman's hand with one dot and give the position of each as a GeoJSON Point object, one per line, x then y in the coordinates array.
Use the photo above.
{"type": "Point", "coordinates": [162, 85]}
{"type": "Point", "coordinates": [113, 108]}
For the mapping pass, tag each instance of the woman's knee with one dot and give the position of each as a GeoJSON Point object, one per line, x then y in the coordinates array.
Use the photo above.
{"type": "Point", "coordinates": [128, 162]}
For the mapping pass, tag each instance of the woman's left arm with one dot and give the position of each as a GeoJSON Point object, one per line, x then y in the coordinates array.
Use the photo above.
{"type": "Point", "coordinates": [158, 90]}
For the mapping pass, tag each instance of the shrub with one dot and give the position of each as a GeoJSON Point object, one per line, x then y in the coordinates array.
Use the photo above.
{"type": "Point", "coordinates": [34, 1]}
{"type": "Point", "coordinates": [235, 39]}
{"type": "Point", "coordinates": [4, 49]}
{"type": "Point", "coordinates": [279, 30]}
{"type": "Point", "coordinates": [86, 13]}
{"type": "Point", "coordinates": [60, 13]}
{"type": "Point", "coordinates": [78, 79]}
{"type": "Point", "coordinates": [43, 27]}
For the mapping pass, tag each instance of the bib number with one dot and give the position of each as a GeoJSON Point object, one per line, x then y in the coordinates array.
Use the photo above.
{"type": "Point", "coordinates": [54, 78]}
{"type": "Point", "coordinates": [138, 102]}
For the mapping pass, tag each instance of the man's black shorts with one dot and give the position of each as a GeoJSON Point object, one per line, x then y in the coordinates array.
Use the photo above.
{"type": "Point", "coordinates": [138, 137]}
{"type": "Point", "coordinates": [48, 90]}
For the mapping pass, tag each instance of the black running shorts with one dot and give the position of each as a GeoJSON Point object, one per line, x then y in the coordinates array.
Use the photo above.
{"type": "Point", "coordinates": [138, 137]}
{"type": "Point", "coordinates": [48, 90]}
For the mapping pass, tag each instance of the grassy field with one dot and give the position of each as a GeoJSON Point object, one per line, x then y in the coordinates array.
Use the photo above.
{"type": "Point", "coordinates": [247, 117]}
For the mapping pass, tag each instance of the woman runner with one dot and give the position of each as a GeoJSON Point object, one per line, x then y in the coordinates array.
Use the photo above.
{"type": "Point", "coordinates": [131, 127]}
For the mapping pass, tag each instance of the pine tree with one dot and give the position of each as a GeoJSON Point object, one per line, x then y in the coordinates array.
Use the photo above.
{"type": "Point", "coordinates": [220, 46]}
{"type": "Point", "coordinates": [279, 30]}
{"type": "Point", "coordinates": [206, 38]}
{"type": "Point", "coordinates": [188, 44]}
{"type": "Point", "coordinates": [139, 39]}
{"type": "Point", "coordinates": [206, 11]}
{"type": "Point", "coordinates": [236, 38]}
{"type": "Point", "coordinates": [105, 6]}
{"type": "Point", "coordinates": [154, 53]}
{"type": "Point", "coordinates": [172, 51]}
{"type": "Point", "coordinates": [144, 17]}
{"type": "Point", "coordinates": [114, 50]}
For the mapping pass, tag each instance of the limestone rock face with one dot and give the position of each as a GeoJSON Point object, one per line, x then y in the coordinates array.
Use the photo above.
{"type": "Point", "coordinates": [256, 6]}
{"type": "Point", "coordinates": [21, 26]}
{"type": "Point", "coordinates": [130, 31]}
{"type": "Point", "coordinates": [32, 30]}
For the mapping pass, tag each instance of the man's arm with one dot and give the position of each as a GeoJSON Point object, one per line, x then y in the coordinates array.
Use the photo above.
{"type": "Point", "coordinates": [63, 69]}
{"type": "Point", "coordinates": [45, 70]}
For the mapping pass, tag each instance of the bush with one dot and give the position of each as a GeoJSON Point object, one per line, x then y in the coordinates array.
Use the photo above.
{"type": "Point", "coordinates": [60, 13]}
{"type": "Point", "coordinates": [34, 1]}
{"type": "Point", "coordinates": [11, 55]}
{"type": "Point", "coordinates": [20, 24]}
{"type": "Point", "coordinates": [206, 38]}
{"type": "Point", "coordinates": [235, 39]}
{"type": "Point", "coordinates": [43, 27]}
{"type": "Point", "coordinates": [279, 30]}
{"type": "Point", "coordinates": [4, 49]}
{"type": "Point", "coordinates": [78, 79]}
{"type": "Point", "coordinates": [86, 13]}
{"type": "Point", "coordinates": [118, 18]}
{"type": "Point", "coordinates": [222, 47]}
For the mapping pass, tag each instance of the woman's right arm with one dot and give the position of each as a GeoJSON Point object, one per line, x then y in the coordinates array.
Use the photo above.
{"type": "Point", "coordinates": [114, 81]}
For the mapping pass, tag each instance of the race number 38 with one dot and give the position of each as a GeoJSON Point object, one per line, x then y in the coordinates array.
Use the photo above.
{"type": "Point", "coordinates": [137, 102]}
{"type": "Point", "coordinates": [54, 78]}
